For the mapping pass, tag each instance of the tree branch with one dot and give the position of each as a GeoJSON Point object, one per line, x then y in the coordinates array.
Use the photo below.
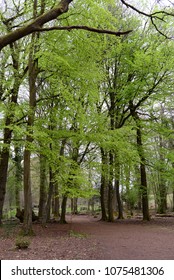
{"type": "Point", "coordinates": [152, 16]}
{"type": "Point", "coordinates": [37, 23]}
{"type": "Point", "coordinates": [83, 27]}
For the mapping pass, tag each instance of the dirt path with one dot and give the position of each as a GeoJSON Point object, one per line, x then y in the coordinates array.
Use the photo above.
{"type": "Point", "coordinates": [131, 239]}
{"type": "Point", "coordinates": [85, 237]}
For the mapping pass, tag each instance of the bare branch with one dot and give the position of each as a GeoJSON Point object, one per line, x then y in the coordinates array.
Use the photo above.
{"type": "Point", "coordinates": [83, 27]}
{"type": "Point", "coordinates": [160, 15]}
{"type": "Point", "coordinates": [152, 15]}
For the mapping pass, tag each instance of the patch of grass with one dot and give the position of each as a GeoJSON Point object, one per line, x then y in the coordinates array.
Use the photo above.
{"type": "Point", "coordinates": [73, 233]}
{"type": "Point", "coordinates": [8, 229]}
{"type": "Point", "coordinates": [22, 242]}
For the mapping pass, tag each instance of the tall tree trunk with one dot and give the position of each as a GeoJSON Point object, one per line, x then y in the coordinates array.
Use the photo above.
{"type": "Point", "coordinates": [43, 189]}
{"type": "Point", "coordinates": [117, 188]}
{"type": "Point", "coordinates": [32, 77]}
{"type": "Point", "coordinates": [144, 192]}
{"type": "Point", "coordinates": [104, 181]}
{"type": "Point", "coordinates": [18, 176]}
{"type": "Point", "coordinates": [74, 209]}
{"type": "Point", "coordinates": [110, 188]}
{"type": "Point", "coordinates": [56, 201]}
{"type": "Point", "coordinates": [7, 133]}
{"type": "Point", "coordinates": [27, 226]}
{"type": "Point", "coordinates": [33, 72]}
{"type": "Point", "coordinates": [50, 195]}
{"type": "Point", "coordinates": [143, 187]}
{"type": "Point", "coordinates": [63, 210]}
{"type": "Point", "coordinates": [162, 192]}
{"type": "Point", "coordinates": [3, 178]}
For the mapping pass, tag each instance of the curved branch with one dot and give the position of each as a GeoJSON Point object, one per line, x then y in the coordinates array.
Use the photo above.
{"type": "Point", "coordinates": [152, 15]}
{"type": "Point", "coordinates": [83, 27]}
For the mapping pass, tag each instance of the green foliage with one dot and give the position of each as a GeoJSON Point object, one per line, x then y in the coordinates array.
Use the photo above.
{"type": "Point", "coordinates": [75, 234]}
{"type": "Point", "coordinates": [80, 76]}
{"type": "Point", "coordinates": [22, 242]}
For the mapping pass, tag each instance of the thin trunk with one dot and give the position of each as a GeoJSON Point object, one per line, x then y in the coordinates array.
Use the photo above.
{"type": "Point", "coordinates": [74, 209]}
{"type": "Point", "coordinates": [56, 201]}
{"type": "Point", "coordinates": [50, 195]}
{"type": "Point", "coordinates": [33, 72]}
{"type": "Point", "coordinates": [110, 189]}
{"type": "Point", "coordinates": [18, 176]}
{"type": "Point", "coordinates": [119, 202]}
{"type": "Point", "coordinates": [117, 188]}
{"type": "Point", "coordinates": [3, 178]}
{"type": "Point", "coordinates": [144, 193]}
{"type": "Point", "coordinates": [63, 210]}
{"type": "Point", "coordinates": [43, 189]}
{"type": "Point", "coordinates": [162, 192]}
{"type": "Point", "coordinates": [103, 186]}
{"type": "Point", "coordinates": [27, 225]}
{"type": "Point", "coordinates": [4, 154]}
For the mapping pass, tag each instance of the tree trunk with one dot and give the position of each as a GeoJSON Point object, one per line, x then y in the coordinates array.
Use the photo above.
{"type": "Point", "coordinates": [43, 189]}
{"type": "Point", "coordinates": [18, 176]}
{"type": "Point", "coordinates": [56, 201]}
{"type": "Point", "coordinates": [119, 202]}
{"type": "Point", "coordinates": [143, 188]}
{"type": "Point", "coordinates": [50, 194]}
{"type": "Point", "coordinates": [27, 225]}
{"type": "Point", "coordinates": [103, 186]}
{"type": "Point", "coordinates": [63, 210]}
{"type": "Point", "coordinates": [110, 189]}
{"type": "Point", "coordinates": [117, 188]}
{"type": "Point", "coordinates": [145, 206]}
{"type": "Point", "coordinates": [4, 154]}
{"type": "Point", "coordinates": [144, 193]}
{"type": "Point", "coordinates": [3, 178]}
{"type": "Point", "coordinates": [74, 209]}
{"type": "Point", "coordinates": [162, 192]}
{"type": "Point", "coordinates": [33, 72]}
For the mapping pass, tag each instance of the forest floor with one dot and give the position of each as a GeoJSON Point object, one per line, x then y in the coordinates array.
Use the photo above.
{"type": "Point", "coordinates": [87, 238]}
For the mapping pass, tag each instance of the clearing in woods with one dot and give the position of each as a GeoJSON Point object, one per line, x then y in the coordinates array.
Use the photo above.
{"type": "Point", "coordinates": [87, 238]}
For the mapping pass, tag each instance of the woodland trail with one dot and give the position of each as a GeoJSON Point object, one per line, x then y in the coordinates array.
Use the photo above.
{"type": "Point", "coordinates": [130, 239]}
{"type": "Point", "coordinates": [88, 238]}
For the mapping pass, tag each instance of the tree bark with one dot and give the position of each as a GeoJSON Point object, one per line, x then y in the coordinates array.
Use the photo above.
{"type": "Point", "coordinates": [3, 178]}
{"type": "Point", "coordinates": [110, 188]}
{"type": "Point", "coordinates": [74, 209]}
{"type": "Point", "coordinates": [143, 187]}
{"type": "Point", "coordinates": [18, 176]}
{"type": "Point", "coordinates": [56, 201]}
{"type": "Point", "coordinates": [43, 189]}
{"type": "Point", "coordinates": [144, 192]}
{"type": "Point", "coordinates": [63, 210]}
{"type": "Point", "coordinates": [4, 154]}
{"type": "Point", "coordinates": [103, 187]}
{"type": "Point", "coordinates": [117, 187]}
{"type": "Point", "coordinates": [50, 194]}
{"type": "Point", "coordinates": [33, 72]}
{"type": "Point", "coordinates": [27, 225]}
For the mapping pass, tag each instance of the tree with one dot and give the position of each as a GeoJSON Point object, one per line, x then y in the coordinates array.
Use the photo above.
{"type": "Point", "coordinates": [98, 88]}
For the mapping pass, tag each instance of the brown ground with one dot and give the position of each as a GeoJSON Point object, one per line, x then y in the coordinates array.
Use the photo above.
{"type": "Point", "coordinates": [87, 238]}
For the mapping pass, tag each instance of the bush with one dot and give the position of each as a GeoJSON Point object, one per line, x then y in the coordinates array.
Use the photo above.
{"type": "Point", "coordinates": [22, 242]}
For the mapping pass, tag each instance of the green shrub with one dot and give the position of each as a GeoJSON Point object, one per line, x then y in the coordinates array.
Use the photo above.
{"type": "Point", "coordinates": [22, 242]}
